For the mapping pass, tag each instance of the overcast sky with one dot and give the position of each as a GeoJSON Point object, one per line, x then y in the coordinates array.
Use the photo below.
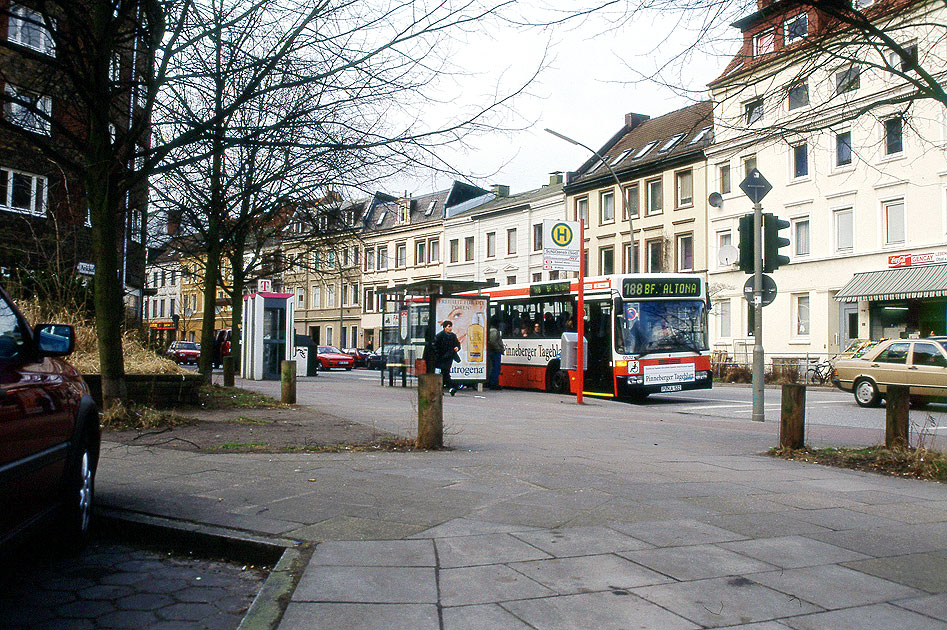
{"type": "Point", "coordinates": [584, 92]}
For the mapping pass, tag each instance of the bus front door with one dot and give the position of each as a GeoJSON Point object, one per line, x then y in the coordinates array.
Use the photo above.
{"type": "Point", "coordinates": [598, 331]}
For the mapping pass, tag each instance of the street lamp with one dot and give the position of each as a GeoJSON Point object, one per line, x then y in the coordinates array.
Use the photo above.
{"type": "Point", "coordinates": [624, 201]}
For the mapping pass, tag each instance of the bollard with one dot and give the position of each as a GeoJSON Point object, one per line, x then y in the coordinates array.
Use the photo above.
{"type": "Point", "coordinates": [288, 382]}
{"type": "Point", "coordinates": [228, 371]}
{"type": "Point", "coordinates": [896, 416]}
{"type": "Point", "coordinates": [792, 417]}
{"type": "Point", "coordinates": [430, 411]}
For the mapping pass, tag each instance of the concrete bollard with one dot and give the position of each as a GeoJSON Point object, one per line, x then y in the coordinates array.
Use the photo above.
{"type": "Point", "coordinates": [897, 400]}
{"type": "Point", "coordinates": [430, 411]}
{"type": "Point", "coordinates": [288, 382]}
{"type": "Point", "coordinates": [792, 417]}
{"type": "Point", "coordinates": [228, 371]}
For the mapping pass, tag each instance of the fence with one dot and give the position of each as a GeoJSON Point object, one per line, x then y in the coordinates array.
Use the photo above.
{"type": "Point", "coordinates": [739, 368]}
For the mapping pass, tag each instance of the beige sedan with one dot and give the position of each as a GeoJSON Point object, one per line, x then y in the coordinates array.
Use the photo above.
{"type": "Point", "coordinates": [919, 363]}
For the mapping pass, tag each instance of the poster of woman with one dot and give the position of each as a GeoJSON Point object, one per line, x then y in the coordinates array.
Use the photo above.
{"type": "Point", "coordinates": [469, 319]}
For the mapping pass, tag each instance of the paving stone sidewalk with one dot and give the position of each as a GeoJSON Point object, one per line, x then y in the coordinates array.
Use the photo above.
{"type": "Point", "coordinates": [549, 515]}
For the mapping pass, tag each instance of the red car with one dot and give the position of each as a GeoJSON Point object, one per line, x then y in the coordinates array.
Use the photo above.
{"type": "Point", "coordinates": [331, 357]}
{"type": "Point", "coordinates": [49, 431]}
{"type": "Point", "coordinates": [184, 352]}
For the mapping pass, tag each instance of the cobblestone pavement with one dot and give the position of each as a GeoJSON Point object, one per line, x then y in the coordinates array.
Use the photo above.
{"type": "Point", "coordinates": [113, 585]}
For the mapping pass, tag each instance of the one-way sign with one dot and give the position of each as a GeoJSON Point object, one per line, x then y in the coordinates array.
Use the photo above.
{"type": "Point", "coordinates": [755, 186]}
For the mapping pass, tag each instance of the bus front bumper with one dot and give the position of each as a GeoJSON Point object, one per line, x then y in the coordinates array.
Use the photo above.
{"type": "Point", "coordinates": [627, 385]}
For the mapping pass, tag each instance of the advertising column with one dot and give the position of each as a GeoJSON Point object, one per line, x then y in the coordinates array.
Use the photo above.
{"type": "Point", "coordinates": [468, 316]}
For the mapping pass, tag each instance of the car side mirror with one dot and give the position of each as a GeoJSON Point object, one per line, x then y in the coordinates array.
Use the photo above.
{"type": "Point", "coordinates": [55, 340]}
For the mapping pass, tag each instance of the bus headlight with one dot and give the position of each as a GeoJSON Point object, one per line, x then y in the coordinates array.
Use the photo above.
{"type": "Point", "coordinates": [701, 375]}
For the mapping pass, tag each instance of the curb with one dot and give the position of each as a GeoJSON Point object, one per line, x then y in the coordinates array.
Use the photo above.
{"type": "Point", "coordinates": [288, 557]}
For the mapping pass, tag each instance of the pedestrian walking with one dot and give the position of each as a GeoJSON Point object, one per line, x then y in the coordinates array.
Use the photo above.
{"type": "Point", "coordinates": [446, 347]}
{"type": "Point", "coordinates": [494, 354]}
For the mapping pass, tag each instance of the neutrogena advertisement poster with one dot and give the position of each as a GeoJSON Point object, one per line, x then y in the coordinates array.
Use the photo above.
{"type": "Point", "coordinates": [469, 316]}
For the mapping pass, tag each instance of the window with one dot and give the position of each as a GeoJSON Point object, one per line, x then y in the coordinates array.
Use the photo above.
{"type": "Point", "coordinates": [685, 188]}
{"type": "Point", "coordinates": [724, 239]}
{"type": "Point", "coordinates": [685, 252]}
{"type": "Point", "coordinates": [723, 177]}
{"type": "Point", "coordinates": [491, 244]}
{"type": "Point", "coordinates": [134, 224]}
{"type": "Point", "coordinates": [753, 111]}
{"type": "Point", "coordinates": [354, 294]}
{"type": "Point", "coordinates": [28, 109]}
{"type": "Point", "coordinates": [800, 231]}
{"type": "Point", "coordinates": [607, 208]}
{"type": "Point", "coordinates": [673, 141]}
{"type": "Point", "coordinates": [749, 163]}
{"type": "Point", "coordinates": [796, 28]}
{"type": "Point", "coordinates": [401, 255]}
{"type": "Point", "coordinates": [23, 192]}
{"type": "Point", "coordinates": [537, 237]}
{"type": "Point", "coordinates": [173, 278]}
{"type": "Point", "coordinates": [895, 353]}
{"type": "Point", "coordinates": [382, 257]}
{"type": "Point", "coordinates": [585, 261]}
{"type": "Point", "coordinates": [894, 135]}
{"type": "Point", "coordinates": [843, 230]}
{"type": "Point", "coordinates": [369, 259]}
{"type": "Point", "coordinates": [843, 148]}
{"type": "Point", "coordinates": [582, 210]}
{"type": "Point", "coordinates": [27, 28]}
{"type": "Point", "coordinates": [454, 247]}
{"type": "Point", "coordinates": [632, 200]}
{"type": "Point", "coordinates": [655, 197]}
{"type": "Point", "coordinates": [725, 329]}
{"type": "Point", "coordinates": [511, 241]}
{"type": "Point", "coordinates": [469, 248]}
{"type": "Point", "coordinates": [655, 256]}
{"type": "Point", "coordinates": [798, 96]}
{"type": "Point", "coordinates": [606, 260]}
{"type": "Point", "coordinates": [893, 221]}
{"type": "Point", "coordinates": [800, 161]}
{"type": "Point", "coordinates": [300, 297]}
{"type": "Point", "coordinates": [553, 275]}
{"type": "Point", "coordinates": [369, 302]}
{"type": "Point", "coordinates": [847, 80]}
{"type": "Point", "coordinates": [861, 4]}
{"type": "Point", "coordinates": [511, 279]}
{"type": "Point", "coordinates": [315, 296]}
{"type": "Point", "coordinates": [538, 276]}
{"type": "Point", "coordinates": [161, 308]}
{"type": "Point", "coordinates": [928, 354]}
{"type": "Point", "coordinates": [329, 335]}
{"type": "Point", "coordinates": [434, 250]}
{"type": "Point", "coordinates": [491, 281]}
{"type": "Point", "coordinates": [420, 252]}
{"type": "Point", "coordinates": [630, 256]}
{"type": "Point", "coordinates": [905, 64]}
{"type": "Point", "coordinates": [801, 314]}
{"type": "Point", "coordinates": [345, 296]}
{"type": "Point", "coordinates": [644, 150]}
{"type": "Point", "coordinates": [764, 43]}
{"type": "Point", "coordinates": [345, 256]}
{"type": "Point", "coordinates": [330, 295]}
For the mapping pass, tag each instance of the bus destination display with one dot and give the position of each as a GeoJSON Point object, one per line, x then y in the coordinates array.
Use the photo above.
{"type": "Point", "coordinates": [554, 288]}
{"type": "Point", "coordinates": [660, 288]}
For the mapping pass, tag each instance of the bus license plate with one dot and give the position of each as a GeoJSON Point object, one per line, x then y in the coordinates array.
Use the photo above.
{"type": "Point", "coordinates": [670, 388]}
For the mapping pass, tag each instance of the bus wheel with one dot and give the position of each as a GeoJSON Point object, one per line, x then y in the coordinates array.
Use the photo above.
{"type": "Point", "coordinates": [559, 382]}
{"type": "Point", "coordinates": [638, 397]}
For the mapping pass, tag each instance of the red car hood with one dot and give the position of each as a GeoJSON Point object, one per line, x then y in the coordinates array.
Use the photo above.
{"type": "Point", "coordinates": [336, 356]}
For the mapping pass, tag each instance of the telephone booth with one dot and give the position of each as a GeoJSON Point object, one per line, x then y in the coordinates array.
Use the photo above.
{"type": "Point", "coordinates": [268, 334]}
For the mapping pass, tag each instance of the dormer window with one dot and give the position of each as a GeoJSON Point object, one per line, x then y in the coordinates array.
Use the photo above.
{"type": "Point", "coordinates": [797, 28]}
{"type": "Point", "coordinates": [673, 141]}
{"type": "Point", "coordinates": [644, 150]}
{"type": "Point", "coordinates": [621, 156]}
{"type": "Point", "coordinates": [381, 217]}
{"type": "Point", "coordinates": [700, 135]}
{"type": "Point", "coordinates": [764, 43]}
{"type": "Point", "coordinates": [430, 208]}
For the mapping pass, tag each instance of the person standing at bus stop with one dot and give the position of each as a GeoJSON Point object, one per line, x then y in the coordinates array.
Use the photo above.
{"type": "Point", "coordinates": [494, 355]}
{"type": "Point", "coordinates": [446, 347]}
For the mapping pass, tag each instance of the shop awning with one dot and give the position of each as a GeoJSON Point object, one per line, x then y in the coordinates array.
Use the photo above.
{"type": "Point", "coordinates": [906, 283]}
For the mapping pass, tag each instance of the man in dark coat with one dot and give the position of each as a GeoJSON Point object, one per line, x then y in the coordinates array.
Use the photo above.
{"type": "Point", "coordinates": [446, 347]}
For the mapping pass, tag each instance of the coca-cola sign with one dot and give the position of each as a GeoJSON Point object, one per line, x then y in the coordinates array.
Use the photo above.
{"type": "Point", "coordinates": [910, 260]}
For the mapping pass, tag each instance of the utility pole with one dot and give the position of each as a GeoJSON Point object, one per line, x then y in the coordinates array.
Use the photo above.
{"type": "Point", "coordinates": [758, 413]}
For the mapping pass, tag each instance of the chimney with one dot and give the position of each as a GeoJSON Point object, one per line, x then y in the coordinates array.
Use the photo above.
{"type": "Point", "coordinates": [174, 222]}
{"type": "Point", "coordinates": [555, 178]}
{"type": "Point", "coordinates": [499, 190]}
{"type": "Point", "coordinates": [762, 4]}
{"type": "Point", "coordinates": [633, 120]}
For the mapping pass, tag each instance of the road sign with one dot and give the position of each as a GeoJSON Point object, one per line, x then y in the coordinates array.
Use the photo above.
{"type": "Point", "coordinates": [561, 246]}
{"type": "Point", "coordinates": [769, 290]}
{"type": "Point", "coordinates": [755, 186]}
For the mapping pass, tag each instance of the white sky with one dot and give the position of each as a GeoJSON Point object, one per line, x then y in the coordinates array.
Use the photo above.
{"type": "Point", "coordinates": [584, 93]}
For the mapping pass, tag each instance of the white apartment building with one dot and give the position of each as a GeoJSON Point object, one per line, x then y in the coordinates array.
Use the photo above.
{"type": "Point", "coordinates": [861, 177]}
{"type": "Point", "coordinates": [162, 296]}
{"type": "Point", "coordinates": [501, 241]}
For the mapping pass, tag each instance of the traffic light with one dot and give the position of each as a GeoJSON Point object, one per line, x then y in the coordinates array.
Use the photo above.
{"type": "Point", "coordinates": [746, 243]}
{"type": "Point", "coordinates": [773, 242]}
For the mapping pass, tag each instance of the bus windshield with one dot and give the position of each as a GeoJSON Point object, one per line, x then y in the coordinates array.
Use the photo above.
{"type": "Point", "coordinates": [661, 326]}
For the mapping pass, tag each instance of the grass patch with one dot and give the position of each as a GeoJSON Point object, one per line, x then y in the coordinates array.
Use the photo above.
{"type": "Point", "coordinates": [219, 397]}
{"type": "Point", "coordinates": [917, 463]}
{"type": "Point", "coordinates": [393, 444]}
{"type": "Point", "coordinates": [125, 416]}
{"type": "Point", "coordinates": [239, 447]}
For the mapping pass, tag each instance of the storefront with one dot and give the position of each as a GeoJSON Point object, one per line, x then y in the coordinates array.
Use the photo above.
{"type": "Point", "coordinates": [909, 299]}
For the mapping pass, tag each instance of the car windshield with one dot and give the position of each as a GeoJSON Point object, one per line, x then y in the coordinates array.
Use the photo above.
{"type": "Point", "coordinates": [328, 349]}
{"type": "Point", "coordinates": [666, 326]}
{"type": "Point", "coordinates": [186, 345]}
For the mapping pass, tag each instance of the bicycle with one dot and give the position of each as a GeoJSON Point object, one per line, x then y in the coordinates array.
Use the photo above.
{"type": "Point", "coordinates": [820, 373]}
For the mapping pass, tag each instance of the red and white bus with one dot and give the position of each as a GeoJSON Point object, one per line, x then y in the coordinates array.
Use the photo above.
{"type": "Point", "coordinates": [645, 333]}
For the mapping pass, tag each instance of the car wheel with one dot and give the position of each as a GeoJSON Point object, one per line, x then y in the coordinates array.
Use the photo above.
{"type": "Point", "coordinates": [866, 393]}
{"type": "Point", "coordinates": [79, 495]}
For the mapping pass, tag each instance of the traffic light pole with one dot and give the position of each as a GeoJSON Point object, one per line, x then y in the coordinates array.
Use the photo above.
{"type": "Point", "coordinates": [758, 415]}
